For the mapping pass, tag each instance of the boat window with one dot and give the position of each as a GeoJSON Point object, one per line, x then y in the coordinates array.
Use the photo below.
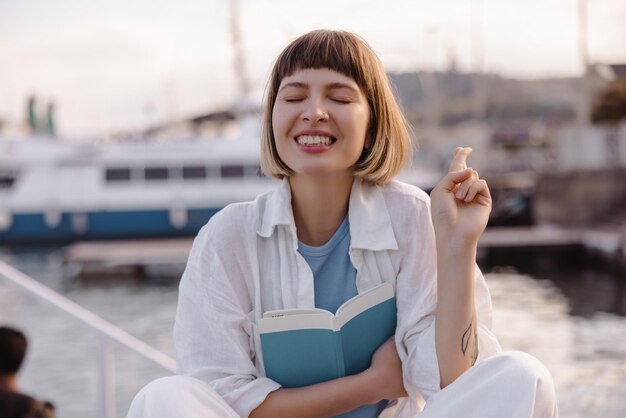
{"type": "Point", "coordinates": [156, 173]}
{"type": "Point", "coordinates": [7, 179]}
{"type": "Point", "coordinates": [194, 172]}
{"type": "Point", "coordinates": [117, 174]}
{"type": "Point", "coordinates": [231, 171]}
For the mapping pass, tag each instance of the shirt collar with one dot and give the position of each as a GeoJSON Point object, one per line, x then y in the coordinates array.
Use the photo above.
{"type": "Point", "coordinates": [276, 210]}
{"type": "Point", "coordinates": [369, 214]}
{"type": "Point", "coordinates": [371, 227]}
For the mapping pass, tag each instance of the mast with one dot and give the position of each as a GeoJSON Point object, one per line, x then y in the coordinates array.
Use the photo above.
{"type": "Point", "coordinates": [238, 54]}
{"type": "Point", "coordinates": [583, 50]}
{"type": "Point", "coordinates": [477, 36]}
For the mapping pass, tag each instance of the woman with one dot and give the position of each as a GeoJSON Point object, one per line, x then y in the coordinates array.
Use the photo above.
{"type": "Point", "coordinates": [336, 226]}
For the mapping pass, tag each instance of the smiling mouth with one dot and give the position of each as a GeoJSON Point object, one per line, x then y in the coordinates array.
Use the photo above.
{"type": "Point", "coordinates": [310, 140]}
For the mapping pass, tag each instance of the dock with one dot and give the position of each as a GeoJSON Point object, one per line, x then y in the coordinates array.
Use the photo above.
{"type": "Point", "coordinates": [604, 241]}
{"type": "Point", "coordinates": [135, 256]}
{"type": "Point", "coordinates": [126, 256]}
{"type": "Point", "coordinates": [548, 236]}
{"type": "Point", "coordinates": [606, 246]}
{"type": "Point", "coordinates": [608, 241]}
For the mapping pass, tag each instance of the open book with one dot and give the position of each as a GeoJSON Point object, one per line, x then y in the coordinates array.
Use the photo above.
{"type": "Point", "coordinates": [302, 347]}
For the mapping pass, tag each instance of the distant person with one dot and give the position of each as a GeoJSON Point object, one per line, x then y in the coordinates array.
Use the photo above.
{"type": "Point", "coordinates": [14, 404]}
{"type": "Point", "coordinates": [339, 225]}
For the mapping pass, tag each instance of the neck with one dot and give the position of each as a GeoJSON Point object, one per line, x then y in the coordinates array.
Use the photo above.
{"type": "Point", "coordinates": [8, 382]}
{"type": "Point", "coordinates": [319, 206]}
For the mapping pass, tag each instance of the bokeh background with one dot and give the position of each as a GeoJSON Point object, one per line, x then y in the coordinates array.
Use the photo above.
{"type": "Point", "coordinates": [152, 108]}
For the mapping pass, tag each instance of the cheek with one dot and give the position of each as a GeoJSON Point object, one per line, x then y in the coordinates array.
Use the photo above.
{"type": "Point", "coordinates": [362, 122]}
{"type": "Point", "coordinates": [275, 121]}
{"type": "Point", "coordinates": [280, 122]}
{"type": "Point", "coordinates": [279, 130]}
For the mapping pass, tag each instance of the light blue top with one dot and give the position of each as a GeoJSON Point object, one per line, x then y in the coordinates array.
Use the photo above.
{"type": "Point", "coordinates": [335, 282]}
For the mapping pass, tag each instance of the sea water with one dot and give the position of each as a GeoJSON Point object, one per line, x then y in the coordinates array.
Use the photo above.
{"type": "Point", "coordinates": [556, 320]}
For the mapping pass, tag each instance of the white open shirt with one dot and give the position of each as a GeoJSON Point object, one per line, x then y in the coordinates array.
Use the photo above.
{"type": "Point", "coordinates": [245, 262]}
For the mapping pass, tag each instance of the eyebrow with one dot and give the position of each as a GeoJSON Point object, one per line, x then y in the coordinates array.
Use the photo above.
{"type": "Point", "coordinates": [331, 86]}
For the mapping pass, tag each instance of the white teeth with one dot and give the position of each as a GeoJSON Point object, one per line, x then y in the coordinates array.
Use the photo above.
{"type": "Point", "coordinates": [314, 140]}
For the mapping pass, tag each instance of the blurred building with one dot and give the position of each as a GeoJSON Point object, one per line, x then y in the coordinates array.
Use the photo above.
{"type": "Point", "coordinates": [515, 125]}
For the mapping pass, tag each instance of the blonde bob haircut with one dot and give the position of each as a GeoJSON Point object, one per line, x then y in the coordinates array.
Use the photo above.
{"type": "Point", "coordinates": [388, 143]}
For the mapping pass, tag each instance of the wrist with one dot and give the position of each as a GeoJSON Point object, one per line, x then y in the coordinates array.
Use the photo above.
{"type": "Point", "coordinates": [371, 382]}
{"type": "Point", "coordinates": [455, 243]}
{"type": "Point", "coordinates": [455, 256]}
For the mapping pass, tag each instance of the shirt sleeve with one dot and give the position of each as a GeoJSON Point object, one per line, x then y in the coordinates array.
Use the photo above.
{"type": "Point", "coordinates": [416, 295]}
{"type": "Point", "coordinates": [213, 333]}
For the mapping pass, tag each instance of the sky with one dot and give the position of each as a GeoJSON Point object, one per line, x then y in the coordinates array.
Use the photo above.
{"type": "Point", "coordinates": [119, 65]}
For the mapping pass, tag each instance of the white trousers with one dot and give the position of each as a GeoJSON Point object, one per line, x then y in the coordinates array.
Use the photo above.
{"type": "Point", "coordinates": [509, 385]}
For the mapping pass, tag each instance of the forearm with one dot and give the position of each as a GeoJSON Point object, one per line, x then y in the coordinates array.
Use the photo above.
{"type": "Point", "coordinates": [456, 324]}
{"type": "Point", "coordinates": [325, 399]}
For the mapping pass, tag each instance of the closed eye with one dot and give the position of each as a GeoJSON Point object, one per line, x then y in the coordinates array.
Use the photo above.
{"type": "Point", "coordinates": [293, 99]}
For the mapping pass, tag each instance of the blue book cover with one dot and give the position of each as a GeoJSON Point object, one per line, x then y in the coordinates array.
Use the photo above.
{"type": "Point", "coordinates": [302, 347]}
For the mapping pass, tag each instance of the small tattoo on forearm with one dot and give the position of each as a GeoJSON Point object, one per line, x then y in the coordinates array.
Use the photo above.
{"type": "Point", "coordinates": [470, 336]}
{"type": "Point", "coordinates": [466, 337]}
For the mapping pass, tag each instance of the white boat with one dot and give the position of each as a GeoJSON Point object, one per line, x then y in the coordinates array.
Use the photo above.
{"type": "Point", "coordinates": [59, 191]}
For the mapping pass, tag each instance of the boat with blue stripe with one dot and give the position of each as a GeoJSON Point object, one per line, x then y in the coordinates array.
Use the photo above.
{"type": "Point", "coordinates": [54, 191]}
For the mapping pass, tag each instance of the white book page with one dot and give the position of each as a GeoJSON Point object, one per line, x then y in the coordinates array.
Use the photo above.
{"type": "Point", "coordinates": [306, 319]}
{"type": "Point", "coordinates": [362, 302]}
{"type": "Point", "coordinates": [295, 311]}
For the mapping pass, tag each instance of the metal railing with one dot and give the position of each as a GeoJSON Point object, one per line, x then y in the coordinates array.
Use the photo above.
{"type": "Point", "coordinates": [107, 333]}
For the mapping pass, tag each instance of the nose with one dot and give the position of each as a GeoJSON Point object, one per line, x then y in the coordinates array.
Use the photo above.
{"type": "Point", "coordinates": [315, 112]}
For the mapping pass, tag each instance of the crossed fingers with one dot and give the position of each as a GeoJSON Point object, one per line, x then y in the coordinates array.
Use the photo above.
{"type": "Point", "coordinates": [471, 184]}
{"type": "Point", "coordinates": [459, 161]}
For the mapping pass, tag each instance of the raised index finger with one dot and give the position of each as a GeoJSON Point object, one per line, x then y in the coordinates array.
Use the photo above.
{"type": "Point", "coordinates": [459, 161]}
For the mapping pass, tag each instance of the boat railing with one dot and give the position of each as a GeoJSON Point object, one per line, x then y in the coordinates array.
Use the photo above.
{"type": "Point", "coordinates": [107, 333]}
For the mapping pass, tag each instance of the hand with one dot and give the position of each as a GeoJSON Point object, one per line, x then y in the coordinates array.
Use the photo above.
{"type": "Point", "coordinates": [386, 369]}
{"type": "Point", "coordinates": [461, 201]}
